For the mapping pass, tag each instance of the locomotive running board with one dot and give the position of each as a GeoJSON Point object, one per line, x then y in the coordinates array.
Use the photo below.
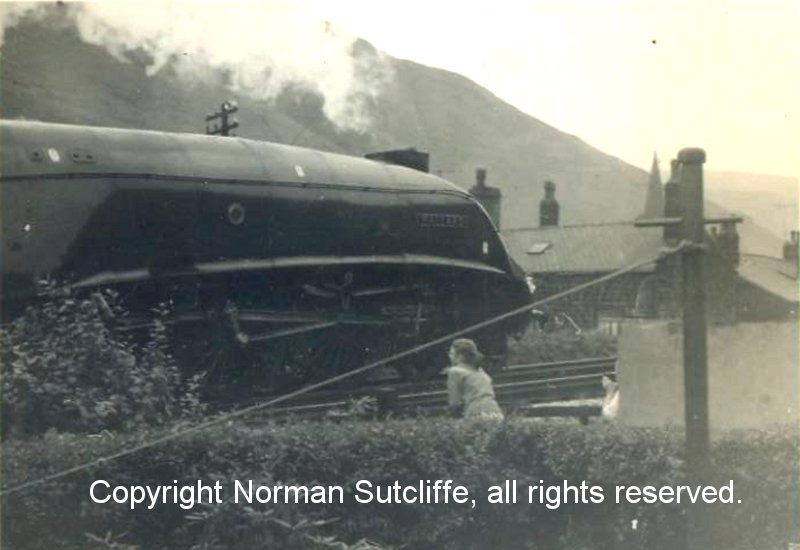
{"type": "Point", "coordinates": [308, 322]}
{"type": "Point", "coordinates": [213, 268]}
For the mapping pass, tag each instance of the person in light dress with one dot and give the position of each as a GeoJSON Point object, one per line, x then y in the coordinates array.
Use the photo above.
{"type": "Point", "coordinates": [470, 393]}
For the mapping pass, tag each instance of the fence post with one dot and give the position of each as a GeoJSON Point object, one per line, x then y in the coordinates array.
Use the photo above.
{"type": "Point", "coordinates": [387, 402]}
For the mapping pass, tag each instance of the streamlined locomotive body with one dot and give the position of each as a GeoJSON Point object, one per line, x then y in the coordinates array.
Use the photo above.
{"type": "Point", "coordinates": [276, 264]}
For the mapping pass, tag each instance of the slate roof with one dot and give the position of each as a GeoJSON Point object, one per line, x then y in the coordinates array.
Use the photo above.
{"type": "Point", "coordinates": [593, 248]}
{"type": "Point", "coordinates": [774, 275]}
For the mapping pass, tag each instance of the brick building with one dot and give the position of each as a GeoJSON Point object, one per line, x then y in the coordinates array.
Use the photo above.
{"type": "Point", "coordinates": [769, 288]}
{"type": "Point", "coordinates": [562, 257]}
{"type": "Point", "coordinates": [559, 258]}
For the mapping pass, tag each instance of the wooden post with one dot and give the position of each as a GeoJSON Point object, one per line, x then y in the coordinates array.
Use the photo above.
{"type": "Point", "coordinates": [695, 361]}
{"type": "Point", "coordinates": [387, 402]}
{"type": "Point", "coordinates": [687, 203]}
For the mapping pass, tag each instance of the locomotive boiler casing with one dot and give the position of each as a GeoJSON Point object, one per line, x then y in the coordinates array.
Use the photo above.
{"type": "Point", "coordinates": [285, 228]}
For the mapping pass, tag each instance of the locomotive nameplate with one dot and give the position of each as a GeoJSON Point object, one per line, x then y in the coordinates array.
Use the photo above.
{"type": "Point", "coordinates": [451, 221]}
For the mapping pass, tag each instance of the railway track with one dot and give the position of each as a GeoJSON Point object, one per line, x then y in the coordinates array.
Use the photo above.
{"type": "Point", "coordinates": [517, 387]}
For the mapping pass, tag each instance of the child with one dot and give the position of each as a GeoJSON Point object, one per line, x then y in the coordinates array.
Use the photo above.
{"type": "Point", "coordinates": [611, 400]}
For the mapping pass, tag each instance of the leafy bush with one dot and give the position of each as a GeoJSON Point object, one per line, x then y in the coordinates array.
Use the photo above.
{"type": "Point", "coordinates": [763, 467]}
{"type": "Point", "coordinates": [535, 346]}
{"type": "Point", "coordinates": [64, 368]}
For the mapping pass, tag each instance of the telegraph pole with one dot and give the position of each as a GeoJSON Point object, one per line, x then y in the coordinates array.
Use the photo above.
{"type": "Point", "coordinates": [690, 227]}
{"type": "Point", "coordinates": [694, 308]}
{"type": "Point", "coordinates": [218, 124]}
{"type": "Point", "coordinates": [695, 351]}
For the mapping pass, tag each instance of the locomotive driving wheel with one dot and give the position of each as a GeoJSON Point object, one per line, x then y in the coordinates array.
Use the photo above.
{"type": "Point", "coordinates": [248, 337]}
{"type": "Point", "coordinates": [240, 354]}
{"type": "Point", "coordinates": [298, 359]}
{"type": "Point", "coordinates": [205, 344]}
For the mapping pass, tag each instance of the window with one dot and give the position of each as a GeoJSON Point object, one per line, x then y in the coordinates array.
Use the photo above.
{"type": "Point", "coordinates": [539, 248]}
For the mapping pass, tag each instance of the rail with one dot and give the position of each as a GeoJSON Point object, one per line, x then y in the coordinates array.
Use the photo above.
{"type": "Point", "coordinates": [517, 387]}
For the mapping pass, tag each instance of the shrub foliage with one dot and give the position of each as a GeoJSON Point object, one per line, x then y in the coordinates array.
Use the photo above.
{"type": "Point", "coordinates": [536, 346]}
{"type": "Point", "coordinates": [763, 467]}
{"type": "Point", "coordinates": [65, 368]}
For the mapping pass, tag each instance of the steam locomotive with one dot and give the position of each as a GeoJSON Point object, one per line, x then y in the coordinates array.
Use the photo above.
{"type": "Point", "coordinates": [277, 265]}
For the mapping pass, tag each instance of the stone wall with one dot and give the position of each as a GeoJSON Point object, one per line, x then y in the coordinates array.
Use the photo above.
{"type": "Point", "coordinates": [617, 298]}
{"type": "Point", "coordinates": [753, 374]}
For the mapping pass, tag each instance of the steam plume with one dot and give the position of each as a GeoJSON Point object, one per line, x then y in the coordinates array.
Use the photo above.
{"type": "Point", "coordinates": [263, 47]}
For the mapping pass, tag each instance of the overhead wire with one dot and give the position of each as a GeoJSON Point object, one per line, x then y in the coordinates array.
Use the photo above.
{"type": "Point", "coordinates": [226, 417]}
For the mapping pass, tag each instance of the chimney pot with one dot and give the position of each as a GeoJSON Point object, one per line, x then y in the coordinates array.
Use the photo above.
{"type": "Point", "coordinates": [548, 206]}
{"type": "Point", "coordinates": [790, 247]}
{"type": "Point", "coordinates": [489, 197]}
{"type": "Point", "coordinates": [673, 170]}
{"type": "Point", "coordinates": [692, 155]}
{"type": "Point", "coordinates": [480, 177]}
{"type": "Point", "coordinates": [728, 241]}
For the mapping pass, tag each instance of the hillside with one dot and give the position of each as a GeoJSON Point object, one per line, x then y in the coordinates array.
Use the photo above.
{"type": "Point", "coordinates": [49, 73]}
{"type": "Point", "coordinates": [771, 201]}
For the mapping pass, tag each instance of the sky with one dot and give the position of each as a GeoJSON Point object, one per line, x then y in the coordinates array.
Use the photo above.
{"type": "Point", "coordinates": [629, 77]}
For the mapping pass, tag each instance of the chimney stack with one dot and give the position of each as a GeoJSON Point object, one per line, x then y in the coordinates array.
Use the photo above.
{"type": "Point", "coordinates": [790, 247]}
{"type": "Point", "coordinates": [548, 206]}
{"type": "Point", "coordinates": [728, 242]}
{"type": "Point", "coordinates": [489, 197]}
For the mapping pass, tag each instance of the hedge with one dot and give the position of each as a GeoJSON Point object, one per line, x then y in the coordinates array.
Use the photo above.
{"type": "Point", "coordinates": [762, 465]}
{"type": "Point", "coordinates": [542, 347]}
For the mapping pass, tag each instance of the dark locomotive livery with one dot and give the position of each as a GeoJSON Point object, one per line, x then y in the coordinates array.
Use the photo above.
{"type": "Point", "coordinates": [277, 264]}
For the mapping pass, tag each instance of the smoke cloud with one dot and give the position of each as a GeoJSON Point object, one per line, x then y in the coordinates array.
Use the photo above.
{"type": "Point", "coordinates": [263, 47]}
